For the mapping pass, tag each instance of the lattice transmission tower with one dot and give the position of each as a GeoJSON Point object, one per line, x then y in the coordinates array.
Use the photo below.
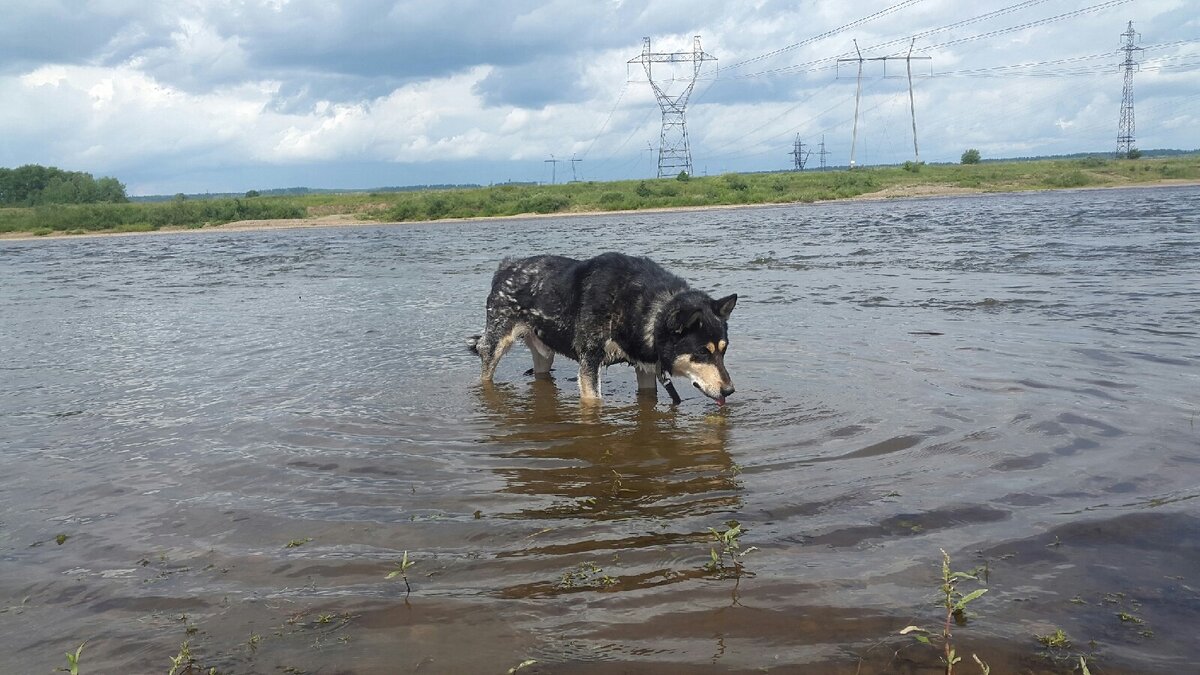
{"type": "Point", "coordinates": [674, 152]}
{"type": "Point", "coordinates": [798, 153]}
{"type": "Point", "coordinates": [1125, 128]}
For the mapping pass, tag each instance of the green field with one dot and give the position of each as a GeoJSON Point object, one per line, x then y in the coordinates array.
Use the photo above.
{"type": "Point", "coordinates": [509, 200]}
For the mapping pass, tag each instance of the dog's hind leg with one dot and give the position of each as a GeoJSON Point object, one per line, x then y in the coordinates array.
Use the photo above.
{"type": "Point", "coordinates": [647, 379]}
{"type": "Point", "coordinates": [543, 356]}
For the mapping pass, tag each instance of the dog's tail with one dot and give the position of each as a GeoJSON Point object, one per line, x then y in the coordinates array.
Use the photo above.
{"type": "Point", "coordinates": [473, 344]}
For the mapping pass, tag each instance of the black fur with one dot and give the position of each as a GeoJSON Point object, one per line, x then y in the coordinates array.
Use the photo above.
{"type": "Point", "coordinates": [609, 309]}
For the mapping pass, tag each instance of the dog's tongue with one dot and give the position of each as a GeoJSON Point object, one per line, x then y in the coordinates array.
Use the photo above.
{"type": "Point", "coordinates": [720, 400]}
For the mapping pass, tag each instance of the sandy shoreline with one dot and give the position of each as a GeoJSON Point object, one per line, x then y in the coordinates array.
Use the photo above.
{"type": "Point", "coordinates": [351, 220]}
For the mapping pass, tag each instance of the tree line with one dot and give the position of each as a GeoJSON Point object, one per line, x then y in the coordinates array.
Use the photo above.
{"type": "Point", "coordinates": [34, 185]}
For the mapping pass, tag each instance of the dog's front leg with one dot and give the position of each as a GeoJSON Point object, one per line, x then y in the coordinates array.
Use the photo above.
{"type": "Point", "coordinates": [589, 378]}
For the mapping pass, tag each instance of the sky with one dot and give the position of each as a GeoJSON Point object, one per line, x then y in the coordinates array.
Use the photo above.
{"type": "Point", "coordinates": [202, 96]}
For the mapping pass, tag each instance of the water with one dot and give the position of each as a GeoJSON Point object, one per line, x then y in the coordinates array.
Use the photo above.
{"type": "Point", "coordinates": [1012, 378]}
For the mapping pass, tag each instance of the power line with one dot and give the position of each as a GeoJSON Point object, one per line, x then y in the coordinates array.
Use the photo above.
{"type": "Point", "coordinates": [608, 119]}
{"type": "Point", "coordinates": [816, 65]}
{"type": "Point", "coordinates": [816, 38]}
{"type": "Point", "coordinates": [769, 122]}
{"type": "Point", "coordinates": [830, 33]}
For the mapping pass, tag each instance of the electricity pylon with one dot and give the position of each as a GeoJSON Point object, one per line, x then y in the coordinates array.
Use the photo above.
{"type": "Point", "coordinates": [799, 156]}
{"type": "Point", "coordinates": [1125, 128]}
{"type": "Point", "coordinates": [674, 152]}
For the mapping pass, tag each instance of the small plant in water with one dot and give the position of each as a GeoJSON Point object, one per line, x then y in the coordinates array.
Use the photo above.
{"type": "Point", "coordinates": [526, 662]}
{"type": "Point", "coordinates": [731, 550]}
{"type": "Point", "coordinates": [297, 543]}
{"type": "Point", "coordinates": [586, 575]}
{"type": "Point", "coordinates": [402, 572]}
{"type": "Point", "coordinates": [1058, 639]}
{"type": "Point", "coordinates": [73, 661]}
{"type": "Point", "coordinates": [183, 661]}
{"type": "Point", "coordinates": [955, 603]}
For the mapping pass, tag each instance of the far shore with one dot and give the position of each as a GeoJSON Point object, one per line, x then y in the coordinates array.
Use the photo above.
{"type": "Point", "coordinates": [354, 220]}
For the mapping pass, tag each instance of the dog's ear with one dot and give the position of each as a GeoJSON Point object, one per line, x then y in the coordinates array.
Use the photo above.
{"type": "Point", "coordinates": [724, 306]}
{"type": "Point", "coordinates": [680, 321]}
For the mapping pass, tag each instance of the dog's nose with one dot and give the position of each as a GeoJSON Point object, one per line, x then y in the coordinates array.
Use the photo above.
{"type": "Point", "coordinates": [727, 391]}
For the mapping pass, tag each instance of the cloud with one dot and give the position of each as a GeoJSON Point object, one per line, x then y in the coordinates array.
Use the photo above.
{"type": "Point", "coordinates": [209, 88]}
{"type": "Point", "coordinates": [533, 85]}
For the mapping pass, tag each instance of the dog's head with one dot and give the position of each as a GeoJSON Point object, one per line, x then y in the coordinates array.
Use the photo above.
{"type": "Point", "coordinates": [694, 336]}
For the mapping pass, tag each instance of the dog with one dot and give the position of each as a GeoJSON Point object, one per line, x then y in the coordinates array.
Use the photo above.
{"type": "Point", "coordinates": [612, 308]}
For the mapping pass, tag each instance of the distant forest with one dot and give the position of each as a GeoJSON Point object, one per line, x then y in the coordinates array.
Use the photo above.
{"type": "Point", "coordinates": [301, 191]}
{"type": "Point", "coordinates": [35, 185]}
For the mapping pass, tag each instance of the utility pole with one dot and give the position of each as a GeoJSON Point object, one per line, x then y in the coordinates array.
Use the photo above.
{"type": "Point", "coordinates": [912, 106]}
{"type": "Point", "coordinates": [857, 96]}
{"type": "Point", "coordinates": [553, 168]}
{"type": "Point", "coordinates": [674, 152]}
{"type": "Point", "coordinates": [799, 156]}
{"type": "Point", "coordinates": [909, 58]}
{"type": "Point", "coordinates": [650, 149]}
{"type": "Point", "coordinates": [574, 178]}
{"type": "Point", "coordinates": [1125, 128]}
{"type": "Point", "coordinates": [823, 152]}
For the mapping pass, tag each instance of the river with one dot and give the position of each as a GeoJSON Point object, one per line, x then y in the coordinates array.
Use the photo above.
{"type": "Point", "coordinates": [230, 439]}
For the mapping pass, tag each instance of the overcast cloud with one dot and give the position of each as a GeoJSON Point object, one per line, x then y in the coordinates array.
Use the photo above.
{"type": "Point", "coordinates": [231, 95]}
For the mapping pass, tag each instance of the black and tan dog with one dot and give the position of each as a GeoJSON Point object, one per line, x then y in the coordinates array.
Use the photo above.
{"type": "Point", "coordinates": [610, 309]}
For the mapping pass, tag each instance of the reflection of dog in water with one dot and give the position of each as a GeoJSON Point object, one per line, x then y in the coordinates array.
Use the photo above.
{"type": "Point", "coordinates": [610, 309]}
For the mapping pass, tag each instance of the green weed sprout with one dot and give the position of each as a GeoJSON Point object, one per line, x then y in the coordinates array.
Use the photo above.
{"type": "Point", "coordinates": [731, 548]}
{"type": "Point", "coordinates": [402, 572]}
{"type": "Point", "coordinates": [955, 602]}
{"type": "Point", "coordinates": [73, 661]}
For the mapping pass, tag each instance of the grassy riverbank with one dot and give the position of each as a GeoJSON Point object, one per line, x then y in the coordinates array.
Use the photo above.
{"type": "Point", "coordinates": [583, 197]}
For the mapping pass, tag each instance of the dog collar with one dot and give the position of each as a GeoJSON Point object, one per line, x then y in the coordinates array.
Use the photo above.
{"type": "Point", "coordinates": [670, 387]}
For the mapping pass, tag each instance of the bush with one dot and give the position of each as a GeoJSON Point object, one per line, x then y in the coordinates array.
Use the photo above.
{"type": "Point", "coordinates": [736, 182]}
{"type": "Point", "coordinates": [543, 203]}
{"type": "Point", "coordinates": [913, 167]}
{"type": "Point", "coordinates": [683, 177]}
{"type": "Point", "coordinates": [436, 207]}
{"type": "Point", "coordinates": [406, 210]}
{"type": "Point", "coordinates": [1070, 179]}
{"type": "Point", "coordinates": [971, 156]}
{"type": "Point", "coordinates": [612, 200]}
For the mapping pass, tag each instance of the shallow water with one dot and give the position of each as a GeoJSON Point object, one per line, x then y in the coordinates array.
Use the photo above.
{"type": "Point", "coordinates": [1013, 378]}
